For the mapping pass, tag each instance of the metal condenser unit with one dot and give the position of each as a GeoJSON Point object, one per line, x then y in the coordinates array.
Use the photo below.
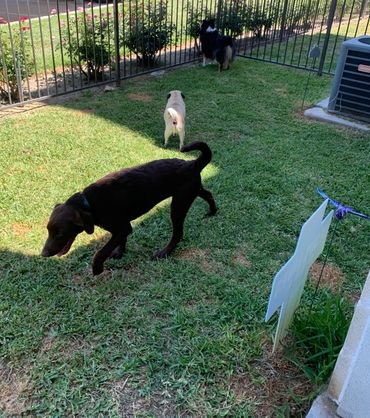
{"type": "Point", "coordinates": [350, 93]}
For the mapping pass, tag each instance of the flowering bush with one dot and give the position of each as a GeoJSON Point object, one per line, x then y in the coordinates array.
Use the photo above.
{"type": "Point", "coordinates": [16, 62]}
{"type": "Point", "coordinates": [148, 32]}
{"type": "Point", "coordinates": [87, 39]}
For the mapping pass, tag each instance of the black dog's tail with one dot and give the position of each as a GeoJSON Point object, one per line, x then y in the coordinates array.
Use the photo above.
{"type": "Point", "coordinates": [205, 156]}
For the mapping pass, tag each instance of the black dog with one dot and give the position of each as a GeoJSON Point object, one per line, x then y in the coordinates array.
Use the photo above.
{"type": "Point", "coordinates": [216, 46]}
{"type": "Point", "coordinates": [118, 198]}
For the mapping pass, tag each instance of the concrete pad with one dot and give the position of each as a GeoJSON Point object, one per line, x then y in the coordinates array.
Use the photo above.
{"type": "Point", "coordinates": [350, 383]}
{"type": "Point", "coordinates": [318, 113]}
{"type": "Point", "coordinates": [347, 395]}
{"type": "Point", "coordinates": [157, 73]}
{"type": "Point", "coordinates": [323, 103]}
{"type": "Point", "coordinates": [323, 407]}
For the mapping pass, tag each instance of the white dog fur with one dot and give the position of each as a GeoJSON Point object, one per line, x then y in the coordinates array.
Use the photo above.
{"type": "Point", "coordinates": [174, 117]}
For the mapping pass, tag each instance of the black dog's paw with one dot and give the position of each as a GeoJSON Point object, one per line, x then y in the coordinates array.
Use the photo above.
{"type": "Point", "coordinates": [160, 255]}
{"type": "Point", "coordinates": [116, 254]}
{"type": "Point", "coordinates": [210, 213]}
{"type": "Point", "coordinates": [97, 269]}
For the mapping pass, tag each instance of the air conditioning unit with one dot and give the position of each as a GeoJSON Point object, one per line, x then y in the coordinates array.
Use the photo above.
{"type": "Point", "coordinates": [350, 93]}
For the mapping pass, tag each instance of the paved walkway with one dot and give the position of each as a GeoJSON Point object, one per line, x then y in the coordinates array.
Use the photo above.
{"type": "Point", "coordinates": [12, 10]}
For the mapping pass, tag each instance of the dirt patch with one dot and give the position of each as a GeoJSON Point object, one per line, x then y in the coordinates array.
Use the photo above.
{"type": "Point", "coordinates": [20, 229]}
{"type": "Point", "coordinates": [239, 258]}
{"type": "Point", "coordinates": [77, 279]}
{"type": "Point", "coordinates": [204, 136]}
{"type": "Point", "coordinates": [140, 97]}
{"type": "Point", "coordinates": [273, 382]}
{"type": "Point", "coordinates": [193, 253]}
{"type": "Point", "coordinates": [67, 348]}
{"type": "Point", "coordinates": [82, 112]}
{"type": "Point", "coordinates": [332, 276]}
{"type": "Point", "coordinates": [132, 404]}
{"type": "Point", "coordinates": [14, 386]}
{"type": "Point", "coordinates": [201, 258]}
{"type": "Point", "coordinates": [14, 111]}
{"type": "Point", "coordinates": [281, 91]}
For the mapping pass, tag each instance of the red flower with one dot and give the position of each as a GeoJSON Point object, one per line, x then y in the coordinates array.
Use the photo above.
{"type": "Point", "coordinates": [23, 18]}
{"type": "Point", "coordinates": [80, 9]}
{"type": "Point", "coordinates": [53, 11]}
{"type": "Point", "coordinates": [24, 28]}
{"type": "Point", "coordinates": [3, 21]}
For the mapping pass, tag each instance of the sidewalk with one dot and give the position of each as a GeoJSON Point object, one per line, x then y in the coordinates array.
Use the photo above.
{"type": "Point", "coordinates": [12, 10]}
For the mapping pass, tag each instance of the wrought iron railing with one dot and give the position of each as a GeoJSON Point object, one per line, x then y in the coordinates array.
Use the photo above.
{"type": "Point", "coordinates": [52, 47]}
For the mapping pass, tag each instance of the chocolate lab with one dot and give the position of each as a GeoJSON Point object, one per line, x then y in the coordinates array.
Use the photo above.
{"type": "Point", "coordinates": [118, 198]}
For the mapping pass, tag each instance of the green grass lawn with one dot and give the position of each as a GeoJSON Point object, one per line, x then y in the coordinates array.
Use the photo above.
{"type": "Point", "coordinates": [183, 336]}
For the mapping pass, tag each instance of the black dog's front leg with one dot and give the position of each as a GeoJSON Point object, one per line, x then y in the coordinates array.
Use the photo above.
{"type": "Point", "coordinates": [114, 247]}
{"type": "Point", "coordinates": [117, 253]}
{"type": "Point", "coordinates": [105, 252]}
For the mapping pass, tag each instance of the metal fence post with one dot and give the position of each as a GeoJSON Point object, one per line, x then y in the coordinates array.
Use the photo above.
{"type": "Point", "coordinates": [219, 10]}
{"type": "Point", "coordinates": [283, 21]}
{"type": "Point", "coordinates": [116, 43]}
{"type": "Point", "coordinates": [333, 7]}
{"type": "Point", "coordinates": [363, 7]}
{"type": "Point", "coordinates": [18, 73]}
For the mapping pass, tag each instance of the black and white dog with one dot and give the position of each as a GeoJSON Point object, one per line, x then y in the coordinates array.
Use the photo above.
{"type": "Point", "coordinates": [216, 46]}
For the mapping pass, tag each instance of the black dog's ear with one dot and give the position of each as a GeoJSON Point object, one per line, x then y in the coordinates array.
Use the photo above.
{"type": "Point", "coordinates": [58, 204]}
{"type": "Point", "coordinates": [85, 220]}
{"type": "Point", "coordinates": [183, 96]}
{"type": "Point", "coordinates": [168, 95]}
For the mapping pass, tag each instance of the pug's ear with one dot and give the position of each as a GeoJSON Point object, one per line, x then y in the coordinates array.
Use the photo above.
{"type": "Point", "coordinates": [168, 95]}
{"type": "Point", "coordinates": [85, 220]}
{"type": "Point", "coordinates": [183, 95]}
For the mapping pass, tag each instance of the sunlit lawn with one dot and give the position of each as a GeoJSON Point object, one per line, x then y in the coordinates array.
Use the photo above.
{"type": "Point", "coordinates": [183, 336]}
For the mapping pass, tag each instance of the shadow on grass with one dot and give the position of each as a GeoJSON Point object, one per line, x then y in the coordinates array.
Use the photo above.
{"type": "Point", "coordinates": [140, 102]}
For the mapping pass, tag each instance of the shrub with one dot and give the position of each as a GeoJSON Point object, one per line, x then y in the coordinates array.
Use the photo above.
{"type": "Point", "coordinates": [193, 20]}
{"type": "Point", "coordinates": [148, 31]}
{"type": "Point", "coordinates": [16, 62]}
{"type": "Point", "coordinates": [232, 18]}
{"type": "Point", "coordinates": [88, 41]}
{"type": "Point", "coordinates": [258, 22]}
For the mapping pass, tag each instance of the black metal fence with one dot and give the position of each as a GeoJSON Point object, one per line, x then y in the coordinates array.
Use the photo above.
{"type": "Point", "coordinates": [52, 47]}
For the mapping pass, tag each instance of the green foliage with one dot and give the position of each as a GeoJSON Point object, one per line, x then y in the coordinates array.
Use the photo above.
{"type": "Point", "coordinates": [148, 31]}
{"type": "Point", "coordinates": [258, 21]}
{"type": "Point", "coordinates": [87, 39]}
{"type": "Point", "coordinates": [232, 18]}
{"type": "Point", "coordinates": [16, 62]}
{"type": "Point", "coordinates": [344, 8]}
{"type": "Point", "coordinates": [194, 18]}
{"type": "Point", "coordinates": [319, 335]}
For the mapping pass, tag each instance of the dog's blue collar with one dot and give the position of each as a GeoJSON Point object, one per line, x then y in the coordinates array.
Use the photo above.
{"type": "Point", "coordinates": [85, 202]}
